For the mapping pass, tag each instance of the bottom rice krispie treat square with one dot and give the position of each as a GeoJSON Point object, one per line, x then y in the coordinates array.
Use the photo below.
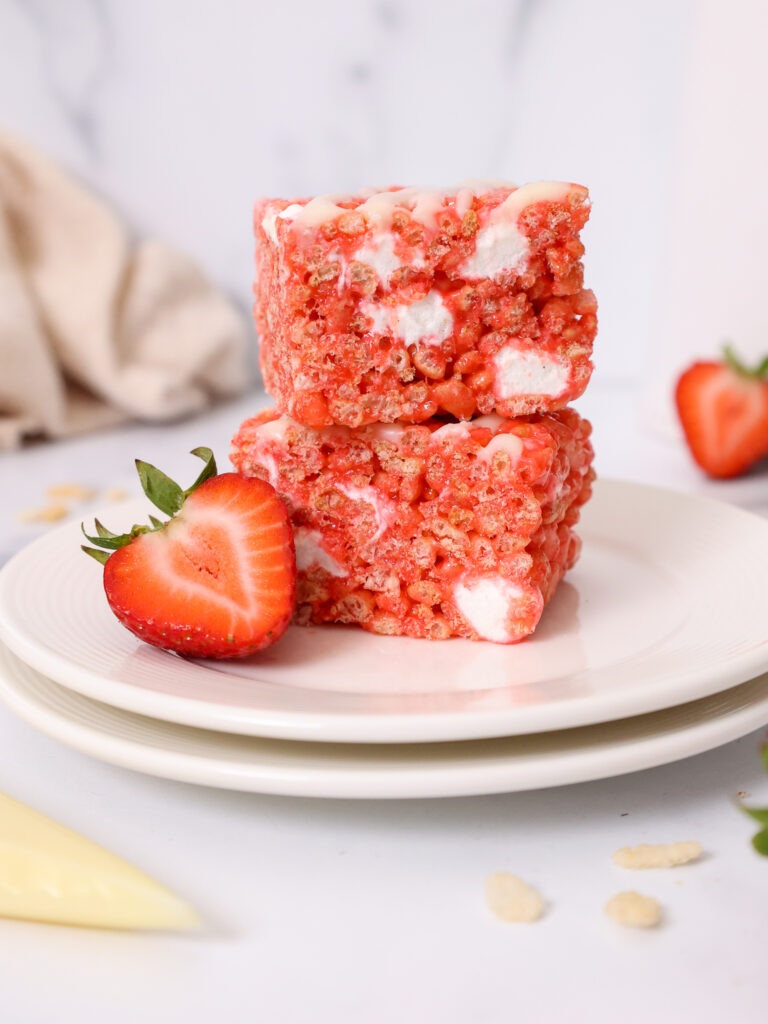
{"type": "Point", "coordinates": [435, 530]}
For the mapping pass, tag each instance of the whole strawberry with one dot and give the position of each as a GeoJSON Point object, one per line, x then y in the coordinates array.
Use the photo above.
{"type": "Point", "coordinates": [723, 408]}
{"type": "Point", "coordinates": [216, 580]}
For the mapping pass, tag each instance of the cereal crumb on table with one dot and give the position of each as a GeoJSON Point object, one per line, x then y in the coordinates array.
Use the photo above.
{"type": "Point", "coordinates": [634, 910]}
{"type": "Point", "coordinates": [116, 494]}
{"type": "Point", "coordinates": [512, 899]}
{"type": "Point", "coordinates": [70, 492]}
{"type": "Point", "coordinates": [662, 855]}
{"type": "Point", "coordinates": [48, 514]}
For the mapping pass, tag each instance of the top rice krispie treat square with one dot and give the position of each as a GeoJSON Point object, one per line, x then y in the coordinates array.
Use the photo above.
{"type": "Point", "coordinates": [406, 303]}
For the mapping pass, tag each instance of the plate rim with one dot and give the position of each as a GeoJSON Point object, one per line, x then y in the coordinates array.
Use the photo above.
{"type": "Point", "coordinates": [651, 749]}
{"type": "Point", "coordinates": [401, 727]}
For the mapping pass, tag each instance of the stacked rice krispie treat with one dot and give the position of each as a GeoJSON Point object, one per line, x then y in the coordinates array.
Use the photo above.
{"type": "Point", "coordinates": [422, 346]}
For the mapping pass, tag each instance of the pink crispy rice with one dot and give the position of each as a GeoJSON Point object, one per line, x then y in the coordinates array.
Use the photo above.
{"type": "Point", "coordinates": [432, 530]}
{"type": "Point", "coordinates": [409, 303]}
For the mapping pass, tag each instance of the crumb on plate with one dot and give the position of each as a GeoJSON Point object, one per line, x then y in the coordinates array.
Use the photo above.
{"type": "Point", "coordinates": [634, 910]}
{"type": "Point", "coordinates": [116, 494]}
{"type": "Point", "coordinates": [662, 855]}
{"type": "Point", "coordinates": [512, 899]}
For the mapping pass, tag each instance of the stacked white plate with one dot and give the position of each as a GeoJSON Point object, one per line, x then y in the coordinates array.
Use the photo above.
{"type": "Point", "coordinates": [652, 650]}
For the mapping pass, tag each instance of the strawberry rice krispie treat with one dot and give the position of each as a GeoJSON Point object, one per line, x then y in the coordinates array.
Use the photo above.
{"type": "Point", "coordinates": [433, 530]}
{"type": "Point", "coordinates": [409, 303]}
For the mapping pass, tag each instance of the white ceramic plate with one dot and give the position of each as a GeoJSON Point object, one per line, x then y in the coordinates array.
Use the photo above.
{"type": "Point", "coordinates": [379, 771]}
{"type": "Point", "coordinates": [668, 604]}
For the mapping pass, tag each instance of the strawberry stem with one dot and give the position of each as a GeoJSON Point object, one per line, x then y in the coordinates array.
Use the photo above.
{"type": "Point", "coordinates": [102, 530]}
{"type": "Point", "coordinates": [208, 470]}
{"type": "Point", "coordinates": [759, 372]}
{"type": "Point", "coordinates": [100, 556]}
{"type": "Point", "coordinates": [114, 540]}
{"type": "Point", "coordinates": [164, 494]}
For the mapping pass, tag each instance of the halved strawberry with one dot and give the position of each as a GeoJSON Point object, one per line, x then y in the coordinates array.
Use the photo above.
{"type": "Point", "coordinates": [723, 408]}
{"type": "Point", "coordinates": [215, 581]}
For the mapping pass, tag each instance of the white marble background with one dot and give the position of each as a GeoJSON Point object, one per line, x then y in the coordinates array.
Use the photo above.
{"type": "Point", "coordinates": [183, 112]}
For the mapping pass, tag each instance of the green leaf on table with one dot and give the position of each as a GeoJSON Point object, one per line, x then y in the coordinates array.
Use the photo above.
{"type": "Point", "coordinates": [760, 814]}
{"type": "Point", "coordinates": [760, 842]}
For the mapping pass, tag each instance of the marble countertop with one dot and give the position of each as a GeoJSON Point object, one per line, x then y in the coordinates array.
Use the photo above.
{"type": "Point", "coordinates": [373, 911]}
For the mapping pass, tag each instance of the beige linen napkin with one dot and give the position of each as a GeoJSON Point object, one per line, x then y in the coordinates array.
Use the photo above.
{"type": "Point", "coordinates": [93, 329]}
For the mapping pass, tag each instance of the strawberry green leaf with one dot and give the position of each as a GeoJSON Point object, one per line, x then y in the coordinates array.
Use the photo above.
{"type": "Point", "coordinates": [758, 372]}
{"type": "Point", "coordinates": [163, 492]}
{"type": "Point", "coordinates": [208, 470]}
{"type": "Point", "coordinates": [114, 540]}
{"type": "Point", "coordinates": [111, 543]}
{"type": "Point", "coordinates": [760, 814]}
{"type": "Point", "coordinates": [732, 360]}
{"type": "Point", "coordinates": [100, 556]}
{"type": "Point", "coordinates": [102, 530]}
{"type": "Point", "coordinates": [760, 842]}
